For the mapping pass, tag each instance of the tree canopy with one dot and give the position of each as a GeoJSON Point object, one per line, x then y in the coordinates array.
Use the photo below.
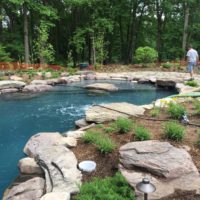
{"type": "Point", "coordinates": [92, 31]}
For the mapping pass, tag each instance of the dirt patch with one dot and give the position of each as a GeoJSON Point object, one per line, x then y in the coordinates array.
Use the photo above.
{"type": "Point", "coordinates": [107, 164]}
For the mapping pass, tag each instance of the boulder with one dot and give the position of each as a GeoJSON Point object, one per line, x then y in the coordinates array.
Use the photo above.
{"type": "Point", "coordinates": [39, 82]}
{"type": "Point", "coordinates": [29, 166]}
{"type": "Point", "coordinates": [102, 86]}
{"type": "Point", "coordinates": [60, 167]}
{"type": "Point", "coordinates": [16, 78]}
{"type": "Point", "coordinates": [32, 189]}
{"type": "Point", "coordinates": [166, 82]}
{"type": "Point", "coordinates": [10, 90]}
{"type": "Point", "coordinates": [169, 168]}
{"type": "Point", "coordinates": [112, 111]}
{"type": "Point", "coordinates": [37, 88]}
{"type": "Point", "coordinates": [81, 123]}
{"type": "Point", "coordinates": [56, 196]}
{"type": "Point", "coordinates": [42, 140]}
{"type": "Point", "coordinates": [76, 134]}
{"type": "Point", "coordinates": [11, 84]}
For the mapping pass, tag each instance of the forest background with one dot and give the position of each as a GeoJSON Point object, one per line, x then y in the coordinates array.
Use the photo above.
{"type": "Point", "coordinates": [68, 32]}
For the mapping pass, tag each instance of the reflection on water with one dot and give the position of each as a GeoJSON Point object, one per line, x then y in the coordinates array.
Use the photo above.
{"type": "Point", "coordinates": [23, 114]}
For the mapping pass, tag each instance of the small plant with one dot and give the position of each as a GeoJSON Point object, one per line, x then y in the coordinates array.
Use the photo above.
{"type": "Point", "coordinates": [123, 125]}
{"type": "Point", "coordinates": [109, 188]}
{"type": "Point", "coordinates": [109, 129]}
{"type": "Point", "coordinates": [198, 140]}
{"type": "Point", "coordinates": [191, 83]}
{"type": "Point", "coordinates": [167, 65]}
{"type": "Point", "coordinates": [176, 111]}
{"type": "Point", "coordinates": [102, 142]}
{"type": "Point", "coordinates": [174, 131]}
{"type": "Point", "coordinates": [99, 125]}
{"type": "Point", "coordinates": [155, 112]}
{"type": "Point", "coordinates": [141, 133]}
{"type": "Point", "coordinates": [197, 107]}
{"type": "Point", "coordinates": [105, 144]}
{"type": "Point", "coordinates": [71, 70]}
{"type": "Point", "coordinates": [90, 136]}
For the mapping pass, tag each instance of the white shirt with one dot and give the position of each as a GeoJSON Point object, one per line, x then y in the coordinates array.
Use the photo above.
{"type": "Point", "coordinates": [192, 55]}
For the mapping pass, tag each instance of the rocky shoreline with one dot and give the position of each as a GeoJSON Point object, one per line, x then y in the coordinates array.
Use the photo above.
{"type": "Point", "coordinates": [51, 167]}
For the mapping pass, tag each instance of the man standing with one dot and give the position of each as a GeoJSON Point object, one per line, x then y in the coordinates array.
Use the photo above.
{"type": "Point", "coordinates": [192, 59]}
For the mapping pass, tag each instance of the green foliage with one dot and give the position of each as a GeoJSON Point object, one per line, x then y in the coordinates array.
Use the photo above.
{"type": "Point", "coordinates": [90, 136]}
{"type": "Point", "coordinates": [176, 111]}
{"type": "Point", "coordinates": [4, 56]}
{"type": "Point", "coordinates": [197, 107]}
{"type": "Point", "coordinates": [110, 188]}
{"type": "Point", "coordinates": [99, 125]}
{"type": "Point", "coordinates": [167, 65]}
{"type": "Point", "coordinates": [71, 70]}
{"type": "Point", "coordinates": [43, 49]}
{"type": "Point", "coordinates": [155, 112]}
{"type": "Point", "coordinates": [105, 144]}
{"type": "Point", "coordinates": [192, 83]}
{"type": "Point", "coordinates": [123, 125]}
{"type": "Point", "coordinates": [141, 133]}
{"type": "Point", "coordinates": [102, 142]}
{"type": "Point", "coordinates": [109, 129]}
{"type": "Point", "coordinates": [174, 131]}
{"type": "Point", "coordinates": [146, 55]}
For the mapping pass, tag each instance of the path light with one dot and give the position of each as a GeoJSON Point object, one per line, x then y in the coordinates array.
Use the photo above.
{"type": "Point", "coordinates": [146, 187]}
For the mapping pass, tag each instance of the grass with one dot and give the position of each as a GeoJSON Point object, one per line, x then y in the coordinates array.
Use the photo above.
{"type": "Point", "coordinates": [197, 107]}
{"type": "Point", "coordinates": [174, 131]}
{"type": "Point", "coordinates": [176, 111]}
{"type": "Point", "coordinates": [109, 188]}
{"type": "Point", "coordinates": [191, 83]}
{"type": "Point", "coordinates": [155, 111]}
{"type": "Point", "coordinates": [103, 143]}
{"type": "Point", "coordinates": [142, 133]}
{"type": "Point", "coordinates": [123, 125]}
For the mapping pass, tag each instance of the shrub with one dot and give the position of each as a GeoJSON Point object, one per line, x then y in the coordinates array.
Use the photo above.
{"type": "Point", "coordinates": [174, 131]}
{"type": "Point", "coordinates": [191, 83]}
{"type": "Point", "coordinates": [90, 136]}
{"type": "Point", "coordinates": [167, 65]}
{"type": "Point", "coordinates": [141, 133]}
{"type": "Point", "coordinates": [176, 111]}
{"type": "Point", "coordinates": [146, 55]}
{"type": "Point", "coordinates": [109, 188]}
{"type": "Point", "coordinates": [197, 107]}
{"type": "Point", "coordinates": [155, 112]}
{"type": "Point", "coordinates": [105, 144]}
{"type": "Point", "coordinates": [99, 125]}
{"type": "Point", "coordinates": [109, 129]}
{"type": "Point", "coordinates": [123, 125]}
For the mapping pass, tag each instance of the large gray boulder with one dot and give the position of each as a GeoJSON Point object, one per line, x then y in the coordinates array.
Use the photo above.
{"type": "Point", "coordinates": [60, 167]}
{"type": "Point", "coordinates": [112, 111]}
{"type": "Point", "coordinates": [29, 166]}
{"type": "Point", "coordinates": [45, 139]}
{"type": "Point", "coordinates": [168, 167]}
{"type": "Point", "coordinates": [32, 189]}
{"type": "Point", "coordinates": [56, 196]}
{"type": "Point", "coordinates": [11, 84]}
{"type": "Point", "coordinates": [37, 88]}
{"type": "Point", "coordinates": [102, 86]}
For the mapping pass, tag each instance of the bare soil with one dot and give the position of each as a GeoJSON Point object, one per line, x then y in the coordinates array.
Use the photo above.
{"type": "Point", "coordinates": [107, 164]}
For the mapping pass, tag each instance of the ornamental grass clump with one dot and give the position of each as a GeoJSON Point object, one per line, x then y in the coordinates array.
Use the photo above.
{"type": "Point", "coordinates": [90, 136]}
{"type": "Point", "coordinates": [174, 131]}
{"type": "Point", "coordinates": [142, 133]}
{"type": "Point", "coordinates": [109, 188]}
{"type": "Point", "coordinates": [103, 143]}
{"type": "Point", "coordinates": [191, 83]}
{"type": "Point", "coordinates": [197, 107]}
{"type": "Point", "coordinates": [123, 125]}
{"type": "Point", "coordinates": [155, 112]}
{"type": "Point", "coordinates": [175, 110]}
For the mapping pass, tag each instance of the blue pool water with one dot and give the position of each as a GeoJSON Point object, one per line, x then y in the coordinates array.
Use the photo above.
{"type": "Point", "coordinates": [23, 115]}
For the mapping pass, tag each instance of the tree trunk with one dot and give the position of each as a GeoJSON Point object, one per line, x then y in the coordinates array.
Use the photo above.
{"type": "Point", "coordinates": [185, 30]}
{"type": "Point", "coordinates": [26, 37]}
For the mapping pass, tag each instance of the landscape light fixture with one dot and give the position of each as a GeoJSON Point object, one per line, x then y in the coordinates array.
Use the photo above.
{"type": "Point", "coordinates": [146, 187]}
